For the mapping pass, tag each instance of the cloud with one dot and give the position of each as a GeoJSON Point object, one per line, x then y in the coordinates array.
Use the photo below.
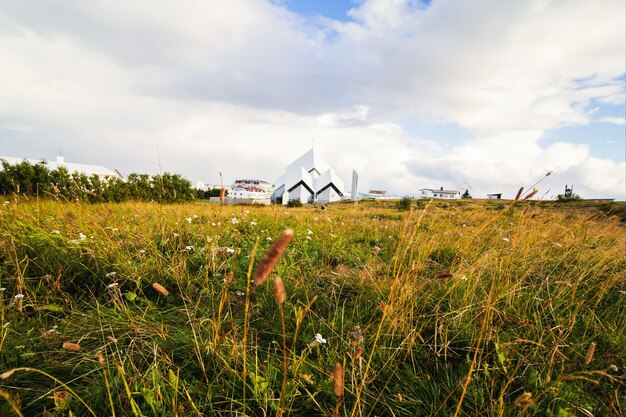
{"type": "Point", "coordinates": [243, 86]}
{"type": "Point", "coordinates": [615, 120]}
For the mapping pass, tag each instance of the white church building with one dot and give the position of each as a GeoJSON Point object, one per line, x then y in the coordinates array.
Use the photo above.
{"type": "Point", "coordinates": [309, 179]}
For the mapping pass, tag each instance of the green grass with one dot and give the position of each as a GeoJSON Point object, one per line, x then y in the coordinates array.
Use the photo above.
{"type": "Point", "coordinates": [451, 309]}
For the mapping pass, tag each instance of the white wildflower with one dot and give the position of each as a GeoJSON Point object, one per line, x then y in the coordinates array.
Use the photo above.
{"type": "Point", "coordinates": [188, 219]}
{"type": "Point", "coordinates": [308, 238]}
{"type": "Point", "coordinates": [209, 239]}
{"type": "Point", "coordinates": [18, 296]}
{"type": "Point", "coordinates": [269, 239]}
{"type": "Point", "coordinates": [189, 247]}
{"type": "Point", "coordinates": [115, 229]}
{"type": "Point", "coordinates": [175, 234]}
{"type": "Point", "coordinates": [464, 278]}
{"type": "Point", "coordinates": [195, 216]}
{"type": "Point", "coordinates": [234, 220]}
{"type": "Point", "coordinates": [240, 293]}
{"type": "Point", "coordinates": [319, 339]}
{"type": "Point", "coordinates": [55, 232]}
{"type": "Point", "coordinates": [212, 224]}
{"type": "Point", "coordinates": [230, 250]}
{"type": "Point", "coordinates": [309, 231]}
{"type": "Point", "coordinates": [110, 274]}
{"type": "Point", "coordinates": [82, 236]}
{"type": "Point", "coordinates": [113, 285]}
{"type": "Point", "coordinates": [253, 223]}
{"type": "Point", "coordinates": [315, 218]}
{"type": "Point", "coordinates": [506, 239]}
{"type": "Point", "coordinates": [142, 251]}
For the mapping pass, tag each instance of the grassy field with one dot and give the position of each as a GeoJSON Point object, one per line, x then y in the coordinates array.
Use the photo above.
{"type": "Point", "coordinates": [452, 309]}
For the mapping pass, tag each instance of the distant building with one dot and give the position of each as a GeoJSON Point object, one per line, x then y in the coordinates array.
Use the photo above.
{"type": "Point", "coordinates": [251, 189]}
{"type": "Point", "coordinates": [438, 193]}
{"type": "Point", "coordinates": [494, 196]}
{"type": "Point", "coordinates": [89, 170]}
{"type": "Point", "coordinates": [380, 193]}
{"type": "Point", "coordinates": [309, 179]}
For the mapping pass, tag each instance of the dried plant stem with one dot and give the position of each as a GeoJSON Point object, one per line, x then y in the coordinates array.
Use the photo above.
{"type": "Point", "coordinates": [281, 407]}
{"type": "Point", "coordinates": [246, 320]}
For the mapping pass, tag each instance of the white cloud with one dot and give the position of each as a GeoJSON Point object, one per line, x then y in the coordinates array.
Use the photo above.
{"type": "Point", "coordinates": [615, 120]}
{"type": "Point", "coordinates": [243, 86]}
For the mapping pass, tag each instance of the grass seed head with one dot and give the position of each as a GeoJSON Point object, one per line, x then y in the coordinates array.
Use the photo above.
{"type": "Point", "coordinates": [279, 290]}
{"type": "Point", "coordinates": [338, 380]}
{"type": "Point", "coordinates": [71, 346]}
{"type": "Point", "coordinates": [7, 374]}
{"type": "Point", "coordinates": [160, 289]}
{"type": "Point", "coordinates": [519, 193]}
{"type": "Point", "coordinates": [524, 400]}
{"type": "Point", "coordinates": [590, 353]}
{"type": "Point", "coordinates": [270, 258]}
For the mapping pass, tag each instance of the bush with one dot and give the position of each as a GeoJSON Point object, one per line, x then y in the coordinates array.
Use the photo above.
{"type": "Point", "coordinates": [405, 203]}
{"type": "Point", "coordinates": [294, 203]}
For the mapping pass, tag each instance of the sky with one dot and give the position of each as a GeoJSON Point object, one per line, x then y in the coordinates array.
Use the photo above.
{"type": "Point", "coordinates": [488, 95]}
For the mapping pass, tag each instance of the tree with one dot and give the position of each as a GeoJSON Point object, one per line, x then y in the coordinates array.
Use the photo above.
{"type": "Point", "coordinates": [404, 204]}
{"type": "Point", "coordinates": [466, 194]}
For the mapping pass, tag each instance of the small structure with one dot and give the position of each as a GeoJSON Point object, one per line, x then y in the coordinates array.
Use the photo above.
{"type": "Point", "coordinates": [438, 193]}
{"type": "Point", "coordinates": [494, 196]}
{"type": "Point", "coordinates": [102, 172]}
{"type": "Point", "coordinates": [309, 179]}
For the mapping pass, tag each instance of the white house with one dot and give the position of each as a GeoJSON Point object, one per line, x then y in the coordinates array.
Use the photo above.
{"type": "Point", "coordinates": [88, 170]}
{"type": "Point", "coordinates": [438, 193]}
{"type": "Point", "coordinates": [309, 179]}
{"type": "Point", "coordinates": [251, 189]}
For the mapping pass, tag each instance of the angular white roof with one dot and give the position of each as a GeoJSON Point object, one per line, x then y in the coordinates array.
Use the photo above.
{"type": "Point", "coordinates": [312, 172]}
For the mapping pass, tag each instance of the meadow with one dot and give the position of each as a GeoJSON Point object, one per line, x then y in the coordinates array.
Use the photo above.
{"type": "Point", "coordinates": [464, 308]}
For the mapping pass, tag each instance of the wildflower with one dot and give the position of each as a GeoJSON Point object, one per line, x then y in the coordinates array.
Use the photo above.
{"type": "Point", "coordinates": [269, 239]}
{"type": "Point", "coordinates": [253, 223]}
{"type": "Point", "coordinates": [189, 247]}
{"type": "Point", "coordinates": [234, 220]}
{"type": "Point", "coordinates": [55, 232]}
{"type": "Point", "coordinates": [195, 216]}
{"type": "Point", "coordinates": [19, 296]}
{"type": "Point", "coordinates": [240, 293]}
{"type": "Point", "coordinates": [142, 251]}
{"type": "Point", "coordinates": [319, 339]}
{"type": "Point", "coordinates": [464, 278]}
{"type": "Point", "coordinates": [3, 289]}
{"type": "Point", "coordinates": [111, 274]}
{"type": "Point", "coordinates": [209, 239]}
{"type": "Point", "coordinates": [175, 234]}
{"type": "Point", "coordinates": [6, 202]}
{"type": "Point", "coordinates": [506, 239]}
{"type": "Point", "coordinates": [309, 232]}
{"type": "Point", "coordinates": [308, 238]}
{"type": "Point", "coordinates": [315, 218]}
{"type": "Point", "coordinates": [212, 224]}
{"type": "Point", "coordinates": [115, 229]}
{"type": "Point", "coordinates": [7, 324]}
{"type": "Point", "coordinates": [113, 285]}
{"type": "Point", "coordinates": [188, 219]}
{"type": "Point", "coordinates": [230, 250]}
{"type": "Point", "coordinates": [82, 236]}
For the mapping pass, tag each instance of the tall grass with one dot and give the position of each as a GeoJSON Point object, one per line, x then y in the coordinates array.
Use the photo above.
{"type": "Point", "coordinates": [463, 309]}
